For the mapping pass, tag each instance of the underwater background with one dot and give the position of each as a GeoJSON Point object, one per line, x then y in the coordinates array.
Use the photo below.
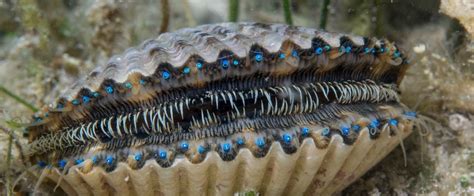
{"type": "Point", "coordinates": [47, 45]}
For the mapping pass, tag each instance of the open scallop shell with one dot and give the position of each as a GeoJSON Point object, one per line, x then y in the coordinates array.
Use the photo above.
{"type": "Point", "coordinates": [308, 171]}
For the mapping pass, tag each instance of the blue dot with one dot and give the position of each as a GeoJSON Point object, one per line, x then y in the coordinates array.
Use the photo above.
{"type": "Point", "coordinates": [94, 159]}
{"type": "Point", "coordinates": [410, 114]}
{"type": "Point", "coordinates": [319, 51]}
{"type": "Point", "coordinates": [356, 128]}
{"type": "Point", "coordinates": [366, 50]}
{"type": "Point", "coordinates": [327, 47]}
{"type": "Point", "coordinates": [260, 142]}
{"type": "Point", "coordinates": [345, 131]}
{"type": "Point", "coordinates": [60, 106]}
{"type": "Point", "coordinates": [372, 50]}
{"type": "Point", "coordinates": [226, 147]}
{"type": "Point", "coordinates": [162, 154]}
{"type": "Point", "coordinates": [138, 156]}
{"type": "Point", "coordinates": [75, 102]}
{"type": "Point", "coordinates": [109, 160]}
{"type": "Point", "coordinates": [186, 70]}
{"type": "Point", "coordinates": [382, 50]}
{"type": "Point", "coordinates": [287, 138]}
{"type": "Point", "coordinates": [79, 161]}
{"type": "Point", "coordinates": [394, 122]}
{"type": "Point", "coordinates": [294, 53]}
{"type": "Point", "coordinates": [109, 89]}
{"type": "Point", "coordinates": [348, 49]}
{"type": "Point", "coordinates": [258, 57]}
{"type": "Point", "coordinates": [42, 164]}
{"type": "Point", "coordinates": [201, 149]}
{"type": "Point", "coordinates": [184, 146]}
{"type": "Point", "coordinates": [225, 63]}
{"type": "Point", "coordinates": [95, 94]}
{"type": "Point", "coordinates": [235, 62]}
{"type": "Point", "coordinates": [199, 65]}
{"type": "Point", "coordinates": [282, 55]}
{"type": "Point", "coordinates": [62, 163]}
{"type": "Point", "coordinates": [396, 54]}
{"type": "Point", "coordinates": [85, 99]}
{"type": "Point", "coordinates": [325, 132]}
{"type": "Point", "coordinates": [142, 82]}
{"type": "Point", "coordinates": [128, 85]}
{"type": "Point", "coordinates": [304, 131]}
{"type": "Point", "coordinates": [166, 75]}
{"type": "Point", "coordinates": [375, 123]}
{"type": "Point", "coordinates": [240, 141]}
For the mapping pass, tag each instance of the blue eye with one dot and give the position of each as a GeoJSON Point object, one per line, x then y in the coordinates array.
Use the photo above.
{"type": "Point", "coordinates": [319, 51]}
{"type": "Point", "coordinates": [166, 75]}
{"type": "Point", "coordinates": [109, 160]}
{"type": "Point", "coordinates": [42, 164]}
{"type": "Point", "coordinates": [109, 89]}
{"type": "Point", "coordinates": [356, 128]}
{"type": "Point", "coordinates": [225, 63]}
{"type": "Point", "coordinates": [396, 54]}
{"type": "Point", "coordinates": [226, 147]}
{"type": "Point", "coordinates": [138, 156]}
{"type": "Point", "coordinates": [128, 85]}
{"type": "Point", "coordinates": [375, 123]}
{"type": "Point", "coordinates": [287, 138]}
{"type": "Point", "coordinates": [410, 114]}
{"type": "Point", "coordinates": [304, 131]}
{"type": "Point", "coordinates": [282, 55]}
{"type": "Point", "coordinates": [199, 65]}
{"type": "Point", "coordinates": [348, 49]}
{"type": "Point", "coordinates": [325, 132]}
{"type": "Point", "coordinates": [345, 131]}
{"type": "Point", "coordinates": [260, 142]}
{"type": "Point", "coordinates": [162, 154]}
{"type": "Point", "coordinates": [258, 57]}
{"type": "Point", "coordinates": [394, 122]}
{"type": "Point", "coordinates": [294, 53]}
{"type": "Point", "coordinates": [94, 159]}
{"type": "Point", "coordinates": [184, 146]}
{"type": "Point", "coordinates": [236, 62]}
{"type": "Point", "coordinates": [240, 141]}
{"type": "Point", "coordinates": [62, 163]}
{"type": "Point", "coordinates": [142, 82]}
{"type": "Point", "coordinates": [186, 70]}
{"type": "Point", "coordinates": [85, 99]}
{"type": "Point", "coordinates": [201, 149]}
{"type": "Point", "coordinates": [79, 161]}
{"type": "Point", "coordinates": [366, 50]}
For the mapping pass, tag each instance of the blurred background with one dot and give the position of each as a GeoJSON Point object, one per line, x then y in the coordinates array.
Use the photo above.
{"type": "Point", "coordinates": [45, 45]}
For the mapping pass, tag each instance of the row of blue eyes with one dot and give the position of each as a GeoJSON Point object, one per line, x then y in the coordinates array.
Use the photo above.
{"type": "Point", "coordinates": [226, 147]}
{"type": "Point", "coordinates": [225, 63]}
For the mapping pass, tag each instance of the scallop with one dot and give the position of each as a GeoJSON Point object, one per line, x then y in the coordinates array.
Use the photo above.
{"type": "Point", "coordinates": [226, 108]}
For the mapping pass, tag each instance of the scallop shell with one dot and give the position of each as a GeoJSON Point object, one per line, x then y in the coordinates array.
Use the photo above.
{"type": "Point", "coordinates": [108, 132]}
{"type": "Point", "coordinates": [308, 171]}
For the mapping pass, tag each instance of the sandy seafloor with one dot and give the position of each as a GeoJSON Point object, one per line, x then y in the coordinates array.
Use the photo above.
{"type": "Point", "coordinates": [46, 46]}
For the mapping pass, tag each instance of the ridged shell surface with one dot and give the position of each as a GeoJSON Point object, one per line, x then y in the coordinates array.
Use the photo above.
{"type": "Point", "coordinates": [225, 108]}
